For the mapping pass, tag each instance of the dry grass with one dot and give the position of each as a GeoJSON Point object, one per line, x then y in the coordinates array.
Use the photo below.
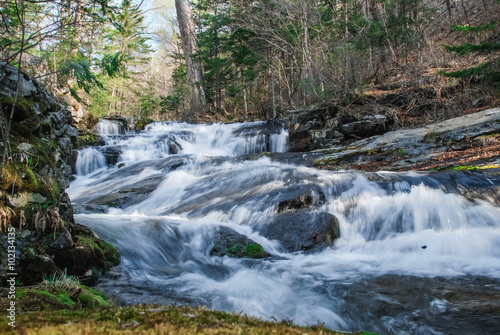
{"type": "Point", "coordinates": [5, 216]}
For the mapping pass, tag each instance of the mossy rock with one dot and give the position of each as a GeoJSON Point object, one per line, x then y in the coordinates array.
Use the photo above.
{"type": "Point", "coordinates": [24, 108]}
{"type": "Point", "coordinates": [92, 298]}
{"type": "Point", "coordinates": [230, 243]}
{"type": "Point", "coordinates": [89, 253]}
{"type": "Point", "coordinates": [33, 267]}
{"type": "Point", "coordinates": [40, 300]}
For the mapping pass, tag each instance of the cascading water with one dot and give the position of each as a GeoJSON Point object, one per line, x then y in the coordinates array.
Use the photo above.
{"type": "Point", "coordinates": [89, 160]}
{"type": "Point", "coordinates": [108, 127]}
{"type": "Point", "coordinates": [417, 253]}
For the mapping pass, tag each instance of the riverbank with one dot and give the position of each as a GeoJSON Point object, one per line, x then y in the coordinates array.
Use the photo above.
{"type": "Point", "coordinates": [42, 310]}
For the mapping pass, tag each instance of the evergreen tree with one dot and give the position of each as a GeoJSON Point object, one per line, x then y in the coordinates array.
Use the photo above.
{"type": "Point", "coordinates": [486, 71]}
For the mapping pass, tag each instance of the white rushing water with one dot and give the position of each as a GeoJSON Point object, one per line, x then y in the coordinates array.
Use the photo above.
{"type": "Point", "coordinates": [108, 127]}
{"type": "Point", "coordinates": [397, 232]}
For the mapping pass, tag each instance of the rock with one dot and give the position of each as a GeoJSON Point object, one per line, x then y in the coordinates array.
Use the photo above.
{"type": "Point", "coordinates": [88, 252]}
{"type": "Point", "coordinates": [303, 230]}
{"type": "Point", "coordinates": [64, 241]}
{"type": "Point", "coordinates": [326, 137]}
{"type": "Point", "coordinates": [32, 267]}
{"type": "Point", "coordinates": [369, 126]}
{"type": "Point", "coordinates": [229, 243]}
{"type": "Point", "coordinates": [25, 147]}
{"type": "Point", "coordinates": [112, 154]}
{"type": "Point", "coordinates": [174, 148]}
{"type": "Point", "coordinates": [48, 125]}
{"type": "Point", "coordinates": [65, 144]}
{"type": "Point", "coordinates": [306, 200]}
{"type": "Point", "coordinates": [23, 199]}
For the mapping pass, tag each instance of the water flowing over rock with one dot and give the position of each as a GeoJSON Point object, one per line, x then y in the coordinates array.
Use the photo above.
{"type": "Point", "coordinates": [346, 249]}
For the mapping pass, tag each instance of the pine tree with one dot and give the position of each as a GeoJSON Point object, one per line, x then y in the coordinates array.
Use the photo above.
{"type": "Point", "coordinates": [487, 71]}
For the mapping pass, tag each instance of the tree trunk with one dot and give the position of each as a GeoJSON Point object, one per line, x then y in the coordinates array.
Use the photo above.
{"type": "Point", "coordinates": [194, 70]}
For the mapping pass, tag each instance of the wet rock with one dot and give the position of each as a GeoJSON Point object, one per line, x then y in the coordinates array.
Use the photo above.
{"type": "Point", "coordinates": [174, 148]}
{"type": "Point", "coordinates": [229, 243]}
{"type": "Point", "coordinates": [112, 154]}
{"type": "Point", "coordinates": [311, 198]}
{"type": "Point", "coordinates": [302, 230]}
{"type": "Point", "coordinates": [88, 252]}
{"type": "Point", "coordinates": [64, 241]}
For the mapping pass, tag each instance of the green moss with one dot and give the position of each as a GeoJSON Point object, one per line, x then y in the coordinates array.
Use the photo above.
{"type": "Point", "coordinates": [101, 249]}
{"type": "Point", "coordinates": [91, 298]}
{"type": "Point", "coordinates": [62, 298]}
{"type": "Point", "coordinates": [255, 251]}
{"type": "Point", "coordinates": [252, 250]}
{"type": "Point", "coordinates": [24, 107]}
{"type": "Point", "coordinates": [112, 255]}
{"type": "Point", "coordinates": [32, 182]}
{"type": "Point", "coordinates": [19, 293]}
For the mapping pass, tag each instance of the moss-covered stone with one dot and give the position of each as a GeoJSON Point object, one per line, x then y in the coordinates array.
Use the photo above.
{"type": "Point", "coordinates": [89, 253]}
{"type": "Point", "coordinates": [33, 266]}
{"type": "Point", "coordinates": [230, 243]}
{"type": "Point", "coordinates": [92, 298]}
{"type": "Point", "coordinates": [255, 250]}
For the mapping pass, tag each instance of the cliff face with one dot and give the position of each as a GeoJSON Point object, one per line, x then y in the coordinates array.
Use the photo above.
{"type": "Point", "coordinates": [36, 171]}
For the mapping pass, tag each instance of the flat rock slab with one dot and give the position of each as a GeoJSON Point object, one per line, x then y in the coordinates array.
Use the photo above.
{"type": "Point", "coordinates": [411, 148]}
{"type": "Point", "coordinates": [464, 124]}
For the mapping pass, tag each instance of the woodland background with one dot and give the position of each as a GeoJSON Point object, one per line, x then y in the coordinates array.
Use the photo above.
{"type": "Point", "coordinates": [426, 59]}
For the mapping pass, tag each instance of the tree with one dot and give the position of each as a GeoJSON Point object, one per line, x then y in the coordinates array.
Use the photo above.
{"type": "Point", "coordinates": [486, 71]}
{"type": "Point", "coordinates": [193, 68]}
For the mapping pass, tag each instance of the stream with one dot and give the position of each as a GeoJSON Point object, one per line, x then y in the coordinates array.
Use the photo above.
{"type": "Point", "coordinates": [418, 253]}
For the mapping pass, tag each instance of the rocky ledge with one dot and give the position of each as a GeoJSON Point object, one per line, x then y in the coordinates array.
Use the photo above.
{"type": "Point", "coordinates": [34, 206]}
{"type": "Point", "coordinates": [470, 141]}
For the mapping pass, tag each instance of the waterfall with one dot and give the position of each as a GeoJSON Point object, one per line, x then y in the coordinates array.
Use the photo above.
{"type": "Point", "coordinates": [108, 127]}
{"type": "Point", "coordinates": [89, 160]}
{"type": "Point", "coordinates": [414, 251]}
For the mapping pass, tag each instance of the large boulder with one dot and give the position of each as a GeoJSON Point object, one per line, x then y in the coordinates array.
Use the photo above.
{"type": "Point", "coordinates": [303, 230]}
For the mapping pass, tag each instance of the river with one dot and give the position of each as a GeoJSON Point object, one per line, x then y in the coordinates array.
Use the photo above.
{"type": "Point", "coordinates": [418, 253]}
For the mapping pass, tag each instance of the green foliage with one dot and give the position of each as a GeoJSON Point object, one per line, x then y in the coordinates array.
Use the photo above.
{"type": "Point", "coordinates": [469, 48]}
{"type": "Point", "coordinates": [80, 69]}
{"type": "Point", "coordinates": [487, 71]}
{"type": "Point", "coordinates": [180, 91]}
{"type": "Point", "coordinates": [112, 64]}
{"type": "Point", "coordinates": [474, 29]}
